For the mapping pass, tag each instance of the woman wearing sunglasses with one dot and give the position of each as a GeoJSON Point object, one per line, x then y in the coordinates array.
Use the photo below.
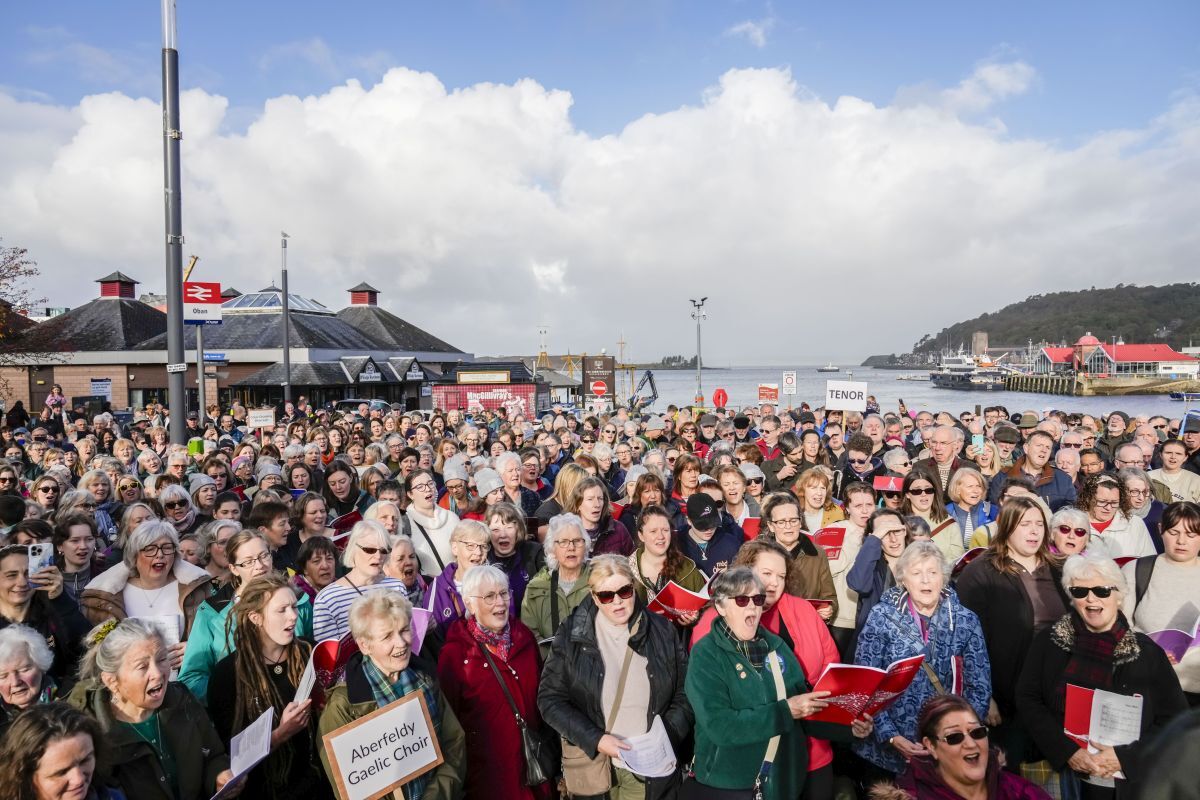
{"type": "Point", "coordinates": [366, 552]}
{"type": "Point", "coordinates": [921, 616]}
{"type": "Point", "coordinates": [613, 668]}
{"type": "Point", "coordinates": [1093, 647]}
{"type": "Point", "coordinates": [923, 498]}
{"type": "Point", "coordinates": [151, 581]}
{"type": "Point", "coordinates": [749, 694]}
{"type": "Point", "coordinates": [1167, 590]}
{"type": "Point", "coordinates": [960, 763]}
{"type": "Point", "coordinates": [1110, 511]}
{"type": "Point", "coordinates": [1015, 589]}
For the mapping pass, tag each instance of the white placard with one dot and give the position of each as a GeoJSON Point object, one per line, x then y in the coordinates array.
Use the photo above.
{"type": "Point", "coordinates": [789, 383]}
{"type": "Point", "coordinates": [248, 749]}
{"type": "Point", "coordinates": [385, 749]}
{"type": "Point", "coordinates": [308, 679]}
{"type": "Point", "coordinates": [260, 418]}
{"type": "Point", "coordinates": [845, 396]}
{"type": "Point", "coordinates": [102, 387]}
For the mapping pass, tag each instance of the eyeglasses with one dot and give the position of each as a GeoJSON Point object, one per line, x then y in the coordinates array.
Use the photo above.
{"type": "Point", "coordinates": [1067, 530]}
{"type": "Point", "coordinates": [371, 551]}
{"type": "Point", "coordinates": [587, 440]}
{"type": "Point", "coordinates": [7, 479]}
{"type": "Point", "coordinates": [1139, 492]}
{"type": "Point", "coordinates": [175, 504]}
{"type": "Point", "coordinates": [604, 598]}
{"type": "Point", "coordinates": [793, 522]}
{"type": "Point", "coordinates": [152, 550]}
{"type": "Point", "coordinates": [424, 487]}
{"type": "Point", "coordinates": [264, 558]}
{"type": "Point", "coordinates": [1158, 427]}
{"type": "Point", "coordinates": [905, 464]}
{"type": "Point", "coordinates": [1071, 445]}
{"type": "Point", "coordinates": [958, 737]}
{"type": "Point", "coordinates": [744, 600]}
{"type": "Point", "coordinates": [926, 490]}
{"type": "Point", "coordinates": [1108, 503]}
{"type": "Point", "coordinates": [492, 597]}
{"type": "Point", "coordinates": [1081, 592]}
{"type": "Point", "coordinates": [892, 495]}
{"type": "Point", "coordinates": [474, 547]}
{"type": "Point", "coordinates": [569, 544]}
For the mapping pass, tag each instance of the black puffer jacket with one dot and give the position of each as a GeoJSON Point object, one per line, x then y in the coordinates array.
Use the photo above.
{"type": "Point", "coordinates": [572, 679]}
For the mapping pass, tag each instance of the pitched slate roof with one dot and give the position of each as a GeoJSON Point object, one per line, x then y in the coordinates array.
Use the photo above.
{"type": "Point", "coordinates": [393, 332]}
{"type": "Point", "coordinates": [263, 331]}
{"type": "Point", "coordinates": [304, 373]}
{"type": "Point", "coordinates": [106, 323]}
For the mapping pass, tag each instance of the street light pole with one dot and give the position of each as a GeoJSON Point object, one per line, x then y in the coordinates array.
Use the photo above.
{"type": "Point", "coordinates": [287, 334]}
{"type": "Point", "coordinates": [174, 225]}
{"type": "Point", "coordinates": [698, 314]}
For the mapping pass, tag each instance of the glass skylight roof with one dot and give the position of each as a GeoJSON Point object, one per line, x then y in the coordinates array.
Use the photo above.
{"type": "Point", "coordinates": [273, 301]}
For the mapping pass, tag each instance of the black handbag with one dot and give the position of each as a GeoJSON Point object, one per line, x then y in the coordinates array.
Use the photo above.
{"type": "Point", "coordinates": [541, 756]}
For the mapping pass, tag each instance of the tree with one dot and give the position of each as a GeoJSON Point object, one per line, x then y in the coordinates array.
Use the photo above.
{"type": "Point", "coordinates": [17, 269]}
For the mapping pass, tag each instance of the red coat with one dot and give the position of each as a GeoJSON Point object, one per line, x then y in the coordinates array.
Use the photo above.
{"type": "Point", "coordinates": [815, 650]}
{"type": "Point", "coordinates": [495, 764]}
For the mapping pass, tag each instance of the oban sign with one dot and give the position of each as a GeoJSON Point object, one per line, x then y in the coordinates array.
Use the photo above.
{"type": "Point", "coordinates": [845, 396]}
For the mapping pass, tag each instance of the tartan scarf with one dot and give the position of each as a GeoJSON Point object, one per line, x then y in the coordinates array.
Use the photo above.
{"type": "Point", "coordinates": [387, 693]}
{"type": "Point", "coordinates": [1091, 662]}
{"type": "Point", "coordinates": [755, 651]}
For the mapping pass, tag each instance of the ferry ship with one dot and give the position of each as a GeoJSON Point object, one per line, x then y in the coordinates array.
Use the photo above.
{"type": "Point", "coordinates": [830, 367]}
{"type": "Point", "coordinates": [964, 372]}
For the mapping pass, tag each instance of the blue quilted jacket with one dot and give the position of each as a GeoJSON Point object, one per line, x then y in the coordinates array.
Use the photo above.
{"type": "Point", "coordinates": [890, 634]}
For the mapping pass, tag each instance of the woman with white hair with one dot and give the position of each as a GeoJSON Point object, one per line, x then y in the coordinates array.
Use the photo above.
{"type": "Point", "coordinates": [508, 467]}
{"type": "Point", "coordinates": [150, 581]}
{"type": "Point", "coordinates": [469, 549]}
{"type": "Point", "coordinates": [178, 508]}
{"type": "Point", "coordinates": [101, 488]}
{"type": "Point", "coordinates": [562, 585]}
{"type": "Point", "coordinates": [25, 681]}
{"type": "Point", "coordinates": [1093, 647]}
{"type": "Point", "coordinates": [384, 671]}
{"type": "Point", "coordinates": [488, 658]}
{"type": "Point", "coordinates": [921, 616]}
{"type": "Point", "coordinates": [365, 554]}
{"type": "Point", "coordinates": [160, 742]}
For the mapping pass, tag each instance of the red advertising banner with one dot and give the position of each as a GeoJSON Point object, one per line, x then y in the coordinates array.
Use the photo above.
{"type": "Point", "coordinates": [516, 398]}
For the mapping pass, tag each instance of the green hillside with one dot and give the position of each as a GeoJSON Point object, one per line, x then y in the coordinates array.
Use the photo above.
{"type": "Point", "coordinates": [1138, 314]}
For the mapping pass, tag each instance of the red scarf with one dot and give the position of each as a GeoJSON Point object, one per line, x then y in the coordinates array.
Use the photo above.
{"type": "Point", "coordinates": [498, 643]}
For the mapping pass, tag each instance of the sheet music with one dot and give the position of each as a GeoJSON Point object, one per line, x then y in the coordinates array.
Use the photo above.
{"type": "Point", "coordinates": [650, 754]}
{"type": "Point", "coordinates": [1116, 720]}
{"type": "Point", "coordinates": [308, 679]}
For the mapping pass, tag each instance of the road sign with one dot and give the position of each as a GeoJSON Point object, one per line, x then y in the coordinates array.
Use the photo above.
{"type": "Point", "coordinates": [599, 388]}
{"type": "Point", "coordinates": [789, 383]}
{"type": "Point", "coordinates": [599, 370]}
{"type": "Point", "coordinates": [260, 418]}
{"type": "Point", "coordinates": [176, 367]}
{"type": "Point", "coordinates": [211, 356]}
{"type": "Point", "coordinates": [768, 392]}
{"type": "Point", "coordinates": [845, 396]}
{"type": "Point", "coordinates": [201, 303]}
{"type": "Point", "coordinates": [720, 397]}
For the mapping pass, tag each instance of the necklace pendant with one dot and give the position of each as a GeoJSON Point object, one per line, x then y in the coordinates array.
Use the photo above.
{"type": "Point", "coordinates": [277, 669]}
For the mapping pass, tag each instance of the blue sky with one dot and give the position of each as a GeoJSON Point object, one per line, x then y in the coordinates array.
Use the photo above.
{"type": "Point", "coordinates": [1100, 65]}
{"type": "Point", "coordinates": [606, 150]}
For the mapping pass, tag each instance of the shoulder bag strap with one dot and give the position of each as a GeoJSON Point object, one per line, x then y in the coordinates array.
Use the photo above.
{"type": "Point", "coordinates": [945, 524]}
{"type": "Point", "coordinates": [554, 602]}
{"type": "Point", "coordinates": [780, 694]}
{"type": "Point", "coordinates": [616, 706]}
{"type": "Point", "coordinates": [425, 533]}
{"type": "Point", "coordinates": [512, 704]}
{"type": "Point", "coordinates": [933, 678]}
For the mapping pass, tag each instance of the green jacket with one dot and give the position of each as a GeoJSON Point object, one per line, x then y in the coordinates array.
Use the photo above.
{"type": "Point", "coordinates": [130, 763]}
{"type": "Point", "coordinates": [208, 643]}
{"type": "Point", "coordinates": [536, 607]}
{"type": "Point", "coordinates": [352, 698]}
{"type": "Point", "coordinates": [737, 713]}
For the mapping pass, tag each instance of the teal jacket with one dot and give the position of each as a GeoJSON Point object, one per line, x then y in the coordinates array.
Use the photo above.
{"type": "Point", "coordinates": [737, 713]}
{"type": "Point", "coordinates": [208, 644]}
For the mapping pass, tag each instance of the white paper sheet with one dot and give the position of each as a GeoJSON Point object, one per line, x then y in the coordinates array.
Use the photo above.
{"type": "Point", "coordinates": [650, 755]}
{"type": "Point", "coordinates": [168, 627]}
{"type": "Point", "coordinates": [1116, 720]}
{"type": "Point", "coordinates": [248, 749]}
{"type": "Point", "coordinates": [308, 679]}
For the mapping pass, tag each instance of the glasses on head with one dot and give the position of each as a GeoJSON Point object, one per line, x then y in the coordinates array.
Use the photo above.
{"type": "Point", "coordinates": [491, 598]}
{"type": "Point", "coordinates": [173, 505]}
{"type": "Point", "coordinates": [264, 558]}
{"type": "Point", "coordinates": [744, 600]}
{"type": "Point", "coordinates": [569, 544]}
{"type": "Point", "coordinates": [925, 490]}
{"type": "Point", "coordinates": [604, 598]}
{"type": "Point", "coordinates": [1067, 530]}
{"type": "Point", "coordinates": [958, 737]}
{"type": "Point", "coordinates": [152, 550]}
{"type": "Point", "coordinates": [371, 551]}
{"type": "Point", "coordinates": [1081, 592]}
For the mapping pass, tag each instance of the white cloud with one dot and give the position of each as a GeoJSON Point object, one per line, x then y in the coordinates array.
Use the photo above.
{"type": "Point", "coordinates": [483, 212]}
{"type": "Point", "coordinates": [753, 31]}
{"type": "Point", "coordinates": [316, 54]}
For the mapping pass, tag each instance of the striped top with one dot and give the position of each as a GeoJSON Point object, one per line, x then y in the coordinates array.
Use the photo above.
{"type": "Point", "coordinates": [331, 609]}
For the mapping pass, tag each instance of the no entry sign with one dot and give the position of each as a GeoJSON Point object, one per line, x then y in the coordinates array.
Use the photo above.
{"type": "Point", "coordinates": [599, 388]}
{"type": "Point", "coordinates": [720, 397]}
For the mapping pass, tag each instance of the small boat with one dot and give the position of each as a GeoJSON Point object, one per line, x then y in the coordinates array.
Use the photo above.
{"type": "Point", "coordinates": [912, 377]}
{"type": "Point", "coordinates": [1191, 397]}
{"type": "Point", "coordinates": [829, 368]}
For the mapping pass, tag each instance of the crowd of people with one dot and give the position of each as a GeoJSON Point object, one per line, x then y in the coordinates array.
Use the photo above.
{"type": "Point", "coordinates": [156, 599]}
